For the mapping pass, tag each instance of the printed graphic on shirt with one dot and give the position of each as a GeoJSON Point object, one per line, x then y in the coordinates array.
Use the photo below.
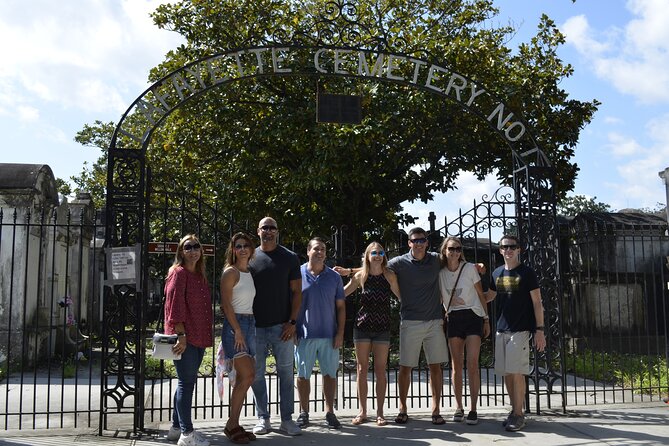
{"type": "Point", "coordinates": [507, 284]}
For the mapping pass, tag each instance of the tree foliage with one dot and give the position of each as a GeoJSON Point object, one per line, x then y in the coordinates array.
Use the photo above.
{"type": "Point", "coordinates": [256, 146]}
{"type": "Point", "coordinates": [576, 204]}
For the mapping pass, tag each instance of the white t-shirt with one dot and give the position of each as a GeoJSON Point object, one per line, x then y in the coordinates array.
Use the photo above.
{"type": "Point", "coordinates": [466, 297]}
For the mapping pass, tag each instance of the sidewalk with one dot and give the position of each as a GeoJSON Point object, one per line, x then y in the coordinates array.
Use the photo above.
{"type": "Point", "coordinates": [632, 424]}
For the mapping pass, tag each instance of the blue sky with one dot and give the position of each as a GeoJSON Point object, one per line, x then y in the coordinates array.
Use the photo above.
{"type": "Point", "coordinates": [68, 63]}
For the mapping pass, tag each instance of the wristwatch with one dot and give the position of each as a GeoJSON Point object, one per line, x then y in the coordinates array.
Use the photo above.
{"type": "Point", "coordinates": [292, 321]}
{"type": "Point", "coordinates": [540, 328]}
{"type": "Point", "coordinates": [181, 334]}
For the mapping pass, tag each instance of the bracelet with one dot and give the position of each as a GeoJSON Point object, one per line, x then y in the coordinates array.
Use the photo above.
{"type": "Point", "coordinates": [486, 317]}
{"type": "Point", "coordinates": [350, 271]}
{"type": "Point", "coordinates": [181, 334]}
{"type": "Point", "coordinates": [540, 328]}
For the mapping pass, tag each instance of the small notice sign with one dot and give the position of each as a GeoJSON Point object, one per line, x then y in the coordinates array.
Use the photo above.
{"type": "Point", "coordinates": [171, 248]}
{"type": "Point", "coordinates": [123, 265]}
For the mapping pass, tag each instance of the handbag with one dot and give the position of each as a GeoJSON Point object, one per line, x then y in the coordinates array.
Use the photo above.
{"type": "Point", "coordinates": [462, 266]}
{"type": "Point", "coordinates": [163, 343]}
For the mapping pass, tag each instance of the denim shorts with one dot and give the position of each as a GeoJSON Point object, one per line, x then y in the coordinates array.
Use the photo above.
{"type": "Point", "coordinates": [248, 325]}
{"type": "Point", "coordinates": [373, 337]}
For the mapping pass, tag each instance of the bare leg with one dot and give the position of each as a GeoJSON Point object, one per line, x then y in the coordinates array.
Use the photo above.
{"type": "Point", "coordinates": [403, 381]}
{"type": "Point", "coordinates": [380, 363]}
{"type": "Point", "coordinates": [329, 389]}
{"type": "Point", "coordinates": [362, 356]}
{"type": "Point", "coordinates": [457, 348]}
{"type": "Point", "coordinates": [245, 375]}
{"type": "Point", "coordinates": [303, 390]}
{"type": "Point", "coordinates": [515, 385]}
{"type": "Point", "coordinates": [473, 345]}
{"type": "Point", "coordinates": [436, 383]}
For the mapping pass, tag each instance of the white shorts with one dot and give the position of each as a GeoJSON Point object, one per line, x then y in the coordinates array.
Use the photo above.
{"type": "Point", "coordinates": [512, 353]}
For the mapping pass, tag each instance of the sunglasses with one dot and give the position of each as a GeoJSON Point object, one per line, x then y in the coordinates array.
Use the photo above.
{"type": "Point", "coordinates": [511, 247]}
{"type": "Point", "coordinates": [245, 246]}
{"type": "Point", "coordinates": [418, 241]}
{"type": "Point", "coordinates": [188, 248]}
{"type": "Point", "coordinates": [268, 228]}
{"type": "Point", "coordinates": [454, 248]}
{"type": "Point", "coordinates": [378, 253]}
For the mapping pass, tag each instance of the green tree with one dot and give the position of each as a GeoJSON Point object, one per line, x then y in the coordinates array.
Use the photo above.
{"type": "Point", "coordinates": [257, 148]}
{"type": "Point", "coordinates": [577, 204]}
{"type": "Point", "coordinates": [63, 187]}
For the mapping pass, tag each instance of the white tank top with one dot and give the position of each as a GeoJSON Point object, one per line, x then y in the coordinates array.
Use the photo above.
{"type": "Point", "coordinates": [243, 294]}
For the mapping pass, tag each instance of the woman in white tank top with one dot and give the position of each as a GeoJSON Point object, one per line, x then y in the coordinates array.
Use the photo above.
{"type": "Point", "coordinates": [239, 328]}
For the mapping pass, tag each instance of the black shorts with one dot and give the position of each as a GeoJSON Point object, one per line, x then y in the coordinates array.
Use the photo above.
{"type": "Point", "coordinates": [463, 323]}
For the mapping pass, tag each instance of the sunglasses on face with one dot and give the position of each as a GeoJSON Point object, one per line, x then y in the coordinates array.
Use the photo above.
{"type": "Point", "coordinates": [377, 253]}
{"type": "Point", "coordinates": [418, 241]}
{"type": "Point", "coordinates": [188, 248]}
{"type": "Point", "coordinates": [244, 246]}
{"type": "Point", "coordinates": [268, 228]}
{"type": "Point", "coordinates": [511, 247]}
{"type": "Point", "coordinates": [454, 248]}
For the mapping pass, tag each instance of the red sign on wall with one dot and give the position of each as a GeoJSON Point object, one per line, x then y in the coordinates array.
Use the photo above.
{"type": "Point", "coordinates": [171, 248]}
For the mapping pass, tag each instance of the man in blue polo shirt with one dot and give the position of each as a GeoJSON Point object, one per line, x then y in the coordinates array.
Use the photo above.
{"type": "Point", "coordinates": [320, 330]}
{"type": "Point", "coordinates": [421, 319]}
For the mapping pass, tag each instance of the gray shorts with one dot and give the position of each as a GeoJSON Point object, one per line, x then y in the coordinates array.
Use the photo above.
{"type": "Point", "coordinates": [512, 353]}
{"type": "Point", "coordinates": [429, 335]}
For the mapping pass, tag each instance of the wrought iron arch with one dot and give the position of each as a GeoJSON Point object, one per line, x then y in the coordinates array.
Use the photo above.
{"type": "Point", "coordinates": [336, 45]}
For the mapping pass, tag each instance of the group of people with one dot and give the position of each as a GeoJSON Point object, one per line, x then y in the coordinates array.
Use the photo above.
{"type": "Point", "coordinates": [270, 301]}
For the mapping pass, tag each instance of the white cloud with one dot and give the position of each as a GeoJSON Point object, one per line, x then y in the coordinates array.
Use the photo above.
{"type": "Point", "coordinates": [620, 145]}
{"type": "Point", "coordinates": [635, 60]}
{"type": "Point", "coordinates": [28, 114]}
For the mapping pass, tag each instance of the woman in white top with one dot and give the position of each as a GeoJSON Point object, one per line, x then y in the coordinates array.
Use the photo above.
{"type": "Point", "coordinates": [468, 321]}
{"type": "Point", "coordinates": [239, 328]}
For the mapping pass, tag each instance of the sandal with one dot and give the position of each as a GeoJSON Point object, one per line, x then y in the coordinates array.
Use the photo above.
{"type": "Point", "coordinates": [402, 418]}
{"type": "Point", "coordinates": [359, 419]}
{"type": "Point", "coordinates": [251, 436]}
{"type": "Point", "coordinates": [380, 421]}
{"type": "Point", "coordinates": [438, 419]}
{"type": "Point", "coordinates": [237, 435]}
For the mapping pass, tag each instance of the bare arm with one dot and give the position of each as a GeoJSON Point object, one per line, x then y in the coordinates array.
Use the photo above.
{"type": "Point", "coordinates": [539, 336]}
{"type": "Point", "coordinates": [391, 277]}
{"type": "Point", "coordinates": [341, 322]}
{"type": "Point", "coordinates": [352, 285]}
{"type": "Point", "coordinates": [484, 305]}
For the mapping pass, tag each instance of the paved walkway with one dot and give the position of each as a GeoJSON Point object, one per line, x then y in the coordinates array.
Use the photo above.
{"type": "Point", "coordinates": [635, 424]}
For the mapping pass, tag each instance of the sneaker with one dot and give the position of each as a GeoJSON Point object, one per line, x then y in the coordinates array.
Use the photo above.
{"type": "Point", "coordinates": [332, 421]}
{"type": "Point", "coordinates": [303, 420]}
{"type": "Point", "coordinates": [458, 415]}
{"type": "Point", "coordinates": [472, 417]}
{"type": "Point", "coordinates": [174, 433]}
{"type": "Point", "coordinates": [262, 427]}
{"type": "Point", "coordinates": [506, 420]}
{"type": "Point", "coordinates": [289, 427]}
{"type": "Point", "coordinates": [193, 438]}
{"type": "Point", "coordinates": [515, 423]}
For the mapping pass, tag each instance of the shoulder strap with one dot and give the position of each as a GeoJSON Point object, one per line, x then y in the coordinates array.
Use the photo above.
{"type": "Point", "coordinates": [462, 266]}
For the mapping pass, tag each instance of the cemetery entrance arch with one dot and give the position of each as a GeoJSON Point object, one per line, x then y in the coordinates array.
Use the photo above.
{"type": "Point", "coordinates": [329, 50]}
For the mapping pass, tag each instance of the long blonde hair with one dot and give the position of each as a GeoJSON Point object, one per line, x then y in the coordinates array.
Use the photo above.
{"type": "Point", "coordinates": [442, 257]}
{"type": "Point", "coordinates": [179, 260]}
{"type": "Point", "coordinates": [366, 264]}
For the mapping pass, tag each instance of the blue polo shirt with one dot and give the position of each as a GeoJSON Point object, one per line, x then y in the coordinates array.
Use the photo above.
{"type": "Point", "coordinates": [317, 318]}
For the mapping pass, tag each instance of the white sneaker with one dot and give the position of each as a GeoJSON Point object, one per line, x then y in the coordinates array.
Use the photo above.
{"type": "Point", "coordinates": [194, 438]}
{"type": "Point", "coordinates": [174, 433]}
{"type": "Point", "coordinates": [262, 427]}
{"type": "Point", "coordinates": [289, 427]}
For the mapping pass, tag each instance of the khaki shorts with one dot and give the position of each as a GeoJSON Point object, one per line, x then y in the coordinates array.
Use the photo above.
{"type": "Point", "coordinates": [512, 353]}
{"type": "Point", "coordinates": [429, 335]}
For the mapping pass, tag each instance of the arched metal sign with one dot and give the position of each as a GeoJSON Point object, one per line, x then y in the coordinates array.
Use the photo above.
{"type": "Point", "coordinates": [335, 47]}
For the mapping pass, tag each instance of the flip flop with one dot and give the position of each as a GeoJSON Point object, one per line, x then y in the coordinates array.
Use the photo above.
{"type": "Point", "coordinates": [359, 419]}
{"type": "Point", "coordinates": [402, 418]}
{"type": "Point", "coordinates": [251, 436]}
{"type": "Point", "coordinates": [380, 421]}
{"type": "Point", "coordinates": [438, 419]}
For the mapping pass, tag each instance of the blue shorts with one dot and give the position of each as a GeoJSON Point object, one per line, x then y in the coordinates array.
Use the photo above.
{"type": "Point", "coordinates": [248, 325]}
{"type": "Point", "coordinates": [308, 350]}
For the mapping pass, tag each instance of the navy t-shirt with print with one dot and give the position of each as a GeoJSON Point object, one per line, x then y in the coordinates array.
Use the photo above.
{"type": "Point", "coordinates": [514, 304]}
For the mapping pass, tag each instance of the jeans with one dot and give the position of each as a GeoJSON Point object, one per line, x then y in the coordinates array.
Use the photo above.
{"type": "Point", "coordinates": [283, 353]}
{"type": "Point", "coordinates": [187, 368]}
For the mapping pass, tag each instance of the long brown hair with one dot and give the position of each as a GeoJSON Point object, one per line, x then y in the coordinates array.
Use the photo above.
{"type": "Point", "coordinates": [442, 256]}
{"type": "Point", "coordinates": [179, 260]}
{"type": "Point", "coordinates": [230, 257]}
{"type": "Point", "coordinates": [366, 264]}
